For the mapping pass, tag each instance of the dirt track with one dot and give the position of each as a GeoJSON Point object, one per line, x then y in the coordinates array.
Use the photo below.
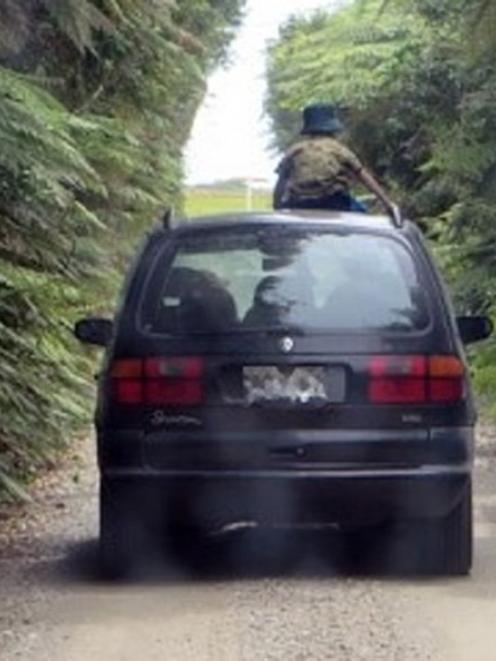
{"type": "Point", "coordinates": [53, 607]}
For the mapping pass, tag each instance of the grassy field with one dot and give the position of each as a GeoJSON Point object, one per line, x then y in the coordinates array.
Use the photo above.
{"type": "Point", "coordinates": [206, 201]}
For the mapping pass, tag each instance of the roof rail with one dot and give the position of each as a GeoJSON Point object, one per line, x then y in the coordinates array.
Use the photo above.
{"type": "Point", "coordinates": [397, 216]}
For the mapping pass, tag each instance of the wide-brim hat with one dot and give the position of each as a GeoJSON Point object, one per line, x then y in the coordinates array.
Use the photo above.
{"type": "Point", "coordinates": [321, 118]}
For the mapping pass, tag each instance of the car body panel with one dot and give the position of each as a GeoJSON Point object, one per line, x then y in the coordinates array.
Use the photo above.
{"type": "Point", "coordinates": [345, 460]}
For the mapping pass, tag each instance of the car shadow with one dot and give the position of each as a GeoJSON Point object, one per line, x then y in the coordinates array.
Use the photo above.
{"type": "Point", "coordinates": [239, 556]}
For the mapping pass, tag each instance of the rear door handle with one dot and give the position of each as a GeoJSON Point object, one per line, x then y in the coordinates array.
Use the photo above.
{"type": "Point", "coordinates": [292, 452]}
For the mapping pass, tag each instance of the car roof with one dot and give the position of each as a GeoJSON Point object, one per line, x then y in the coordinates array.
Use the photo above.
{"type": "Point", "coordinates": [328, 219]}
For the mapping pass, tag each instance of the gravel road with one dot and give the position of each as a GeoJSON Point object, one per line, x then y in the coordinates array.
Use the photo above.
{"type": "Point", "coordinates": [53, 607]}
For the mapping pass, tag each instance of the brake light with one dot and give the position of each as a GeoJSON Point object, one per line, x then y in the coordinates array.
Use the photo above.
{"type": "Point", "coordinates": [128, 391]}
{"type": "Point", "coordinates": [173, 392]}
{"type": "Point", "coordinates": [446, 390]}
{"type": "Point", "coordinates": [397, 391]}
{"type": "Point", "coordinates": [168, 381]}
{"type": "Point", "coordinates": [415, 379]}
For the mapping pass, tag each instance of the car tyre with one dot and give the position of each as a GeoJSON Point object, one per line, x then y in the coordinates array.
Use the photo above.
{"type": "Point", "coordinates": [456, 543]}
{"type": "Point", "coordinates": [121, 534]}
{"type": "Point", "coordinates": [443, 546]}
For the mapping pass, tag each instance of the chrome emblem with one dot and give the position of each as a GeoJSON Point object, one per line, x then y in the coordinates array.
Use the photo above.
{"type": "Point", "coordinates": [159, 419]}
{"type": "Point", "coordinates": [287, 345]}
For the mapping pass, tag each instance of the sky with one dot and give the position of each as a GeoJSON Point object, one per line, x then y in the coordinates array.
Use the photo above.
{"type": "Point", "coordinates": [230, 136]}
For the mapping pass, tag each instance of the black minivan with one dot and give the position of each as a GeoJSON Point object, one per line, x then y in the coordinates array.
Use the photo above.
{"type": "Point", "coordinates": [288, 369]}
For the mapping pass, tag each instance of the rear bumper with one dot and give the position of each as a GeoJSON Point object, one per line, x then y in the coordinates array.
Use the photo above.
{"type": "Point", "coordinates": [363, 497]}
{"type": "Point", "coordinates": [356, 477]}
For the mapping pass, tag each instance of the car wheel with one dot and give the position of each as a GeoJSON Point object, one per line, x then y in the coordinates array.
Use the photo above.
{"type": "Point", "coordinates": [456, 538]}
{"type": "Point", "coordinates": [422, 546]}
{"type": "Point", "coordinates": [439, 546]}
{"type": "Point", "coordinates": [121, 533]}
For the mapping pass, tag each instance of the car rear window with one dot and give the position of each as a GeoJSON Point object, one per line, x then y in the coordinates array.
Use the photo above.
{"type": "Point", "coordinates": [241, 281]}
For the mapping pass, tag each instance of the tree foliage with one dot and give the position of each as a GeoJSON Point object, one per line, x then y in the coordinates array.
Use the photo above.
{"type": "Point", "coordinates": [97, 99]}
{"type": "Point", "coordinates": [417, 82]}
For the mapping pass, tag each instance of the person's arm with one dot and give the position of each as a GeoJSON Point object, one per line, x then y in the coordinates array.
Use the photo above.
{"type": "Point", "coordinates": [353, 164]}
{"type": "Point", "coordinates": [374, 187]}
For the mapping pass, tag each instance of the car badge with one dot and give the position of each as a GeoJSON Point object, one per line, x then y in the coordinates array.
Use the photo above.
{"type": "Point", "coordinates": [287, 344]}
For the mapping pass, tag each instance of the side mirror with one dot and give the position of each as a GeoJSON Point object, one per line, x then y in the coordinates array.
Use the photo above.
{"type": "Point", "coordinates": [474, 329]}
{"type": "Point", "coordinates": [94, 331]}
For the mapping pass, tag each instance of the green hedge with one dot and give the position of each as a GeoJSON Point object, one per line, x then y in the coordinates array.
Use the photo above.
{"type": "Point", "coordinates": [97, 98]}
{"type": "Point", "coordinates": [417, 82]}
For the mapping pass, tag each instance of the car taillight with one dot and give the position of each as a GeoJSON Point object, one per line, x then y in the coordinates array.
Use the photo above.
{"type": "Point", "coordinates": [415, 379]}
{"type": "Point", "coordinates": [446, 379]}
{"type": "Point", "coordinates": [167, 381]}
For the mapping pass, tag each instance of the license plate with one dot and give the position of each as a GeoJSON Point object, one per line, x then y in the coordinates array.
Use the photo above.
{"type": "Point", "coordinates": [300, 385]}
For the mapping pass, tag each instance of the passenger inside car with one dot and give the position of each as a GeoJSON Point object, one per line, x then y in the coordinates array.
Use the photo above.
{"type": "Point", "coordinates": [196, 302]}
{"type": "Point", "coordinates": [277, 301]}
{"type": "Point", "coordinates": [338, 281]}
{"type": "Point", "coordinates": [270, 307]}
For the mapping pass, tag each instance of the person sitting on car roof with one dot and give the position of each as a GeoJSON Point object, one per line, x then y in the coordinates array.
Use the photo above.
{"type": "Point", "coordinates": [318, 171]}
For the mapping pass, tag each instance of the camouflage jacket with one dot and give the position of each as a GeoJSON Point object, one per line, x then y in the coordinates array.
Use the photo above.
{"type": "Point", "coordinates": [317, 167]}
